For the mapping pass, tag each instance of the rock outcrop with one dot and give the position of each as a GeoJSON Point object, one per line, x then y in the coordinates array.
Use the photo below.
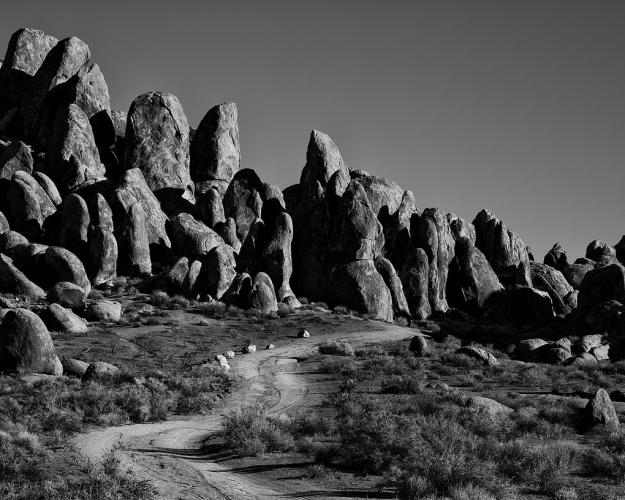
{"type": "Point", "coordinates": [26, 346]}
{"type": "Point", "coordinates": [160, 152]}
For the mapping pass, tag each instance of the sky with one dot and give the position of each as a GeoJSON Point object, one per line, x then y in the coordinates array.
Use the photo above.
{"type": "Point", "coordinates": [515, 106]}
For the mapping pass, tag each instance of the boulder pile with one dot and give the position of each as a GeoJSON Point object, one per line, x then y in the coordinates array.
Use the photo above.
{"type": "Point", "coordinates": [88, 194]}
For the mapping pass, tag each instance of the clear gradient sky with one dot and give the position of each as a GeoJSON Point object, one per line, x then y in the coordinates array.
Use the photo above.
{"type": "Point", "coordinates": [517, 106]}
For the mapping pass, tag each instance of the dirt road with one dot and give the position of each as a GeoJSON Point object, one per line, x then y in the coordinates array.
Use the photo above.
{"type": "Point", "coordinates": [174, 454]}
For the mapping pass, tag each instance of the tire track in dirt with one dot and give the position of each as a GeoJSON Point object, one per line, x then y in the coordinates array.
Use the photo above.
{"type": "Point", "coordinates": [173, 455]}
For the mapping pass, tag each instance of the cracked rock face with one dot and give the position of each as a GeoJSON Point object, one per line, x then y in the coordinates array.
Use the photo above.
{"type": "Point", "coordinates": [157, 143]}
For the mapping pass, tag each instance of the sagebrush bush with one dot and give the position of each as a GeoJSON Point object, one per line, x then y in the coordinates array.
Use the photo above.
{"type": "Point", "coordinates": [249, 432]}
{"type": "Point", "coordinates": [336, 348]}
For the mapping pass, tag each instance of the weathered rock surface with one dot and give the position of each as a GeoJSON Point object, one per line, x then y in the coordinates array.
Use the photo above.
{"type": "Point", "coordinates": [360, 234]}
{"type": "Point", "coordinates": [59, 319]}
{"type": "Point", "coordinates": [62, 265]}
{"type": "Point", "coordinates": [415, 277]}
{"type": "Point", "coordinates": [574, 273]}
{"type": "Point", "coordinates": [600, 411]}
{"type": "Point", "coordinates": [133, 189]}
{"type": "Point", "coordinates": [359, 286]}
{"type": "Point", "coordinates": [74, 367]}
{"type": "Point", "coordinates": [397, 230]}
{"type": "Point", "coordinates": [599, 251]}
{"type": "Point", "coordinates": [49, 187]}
{"type": "Point", "coordinates": [242, 200]}
{"type": "Point", "coordinates": [556, 257]}
{"type": "Point", "coordinates": [62, 62]}
{"type": "Point", "coordinates": [67, 294]}
{"type": "Point", "coordinates": [219, 270]}
{"type": "Point", "coordinates": [602, 284]}
{"type": "Point", "coordinates": [74, 227]}
{"type": "Point", "coordinates": [133, 240]}
{"type": "Point", "coordinates": [72, 151]}
{"type": "Point", "coordinates": [472, 280]}
{"type": "Point", "coordinates": [12, 280]}
{"type": "Point", "coordinates": [479, 354]}
{"type": "Point", "coordinates": [505, 250]}
{"type": "Point", "coordinates": [382, 192]}
{"type": "Point", "coordinates": [323, 158]}
{"type": "Point", "coordinates": [103, 254]}
{"type": "Point", "coordinates": [521, 305]}
{"type": "Point", "coordinates": [433, 234]}
{"type": "Point", "coordinates": [210, 208]}
{"type": "Point", "coordinates": [100, 370]}
{"type": "Point", "coordinates": [104, 310]}
{"type": "Point", "coordinates": [215, 150]}
{"type": "Point", "coordinates": [393, 283]}
{"type": "Point", "coordinates": [26, 345]}
{"type": "Point", "coordinates": [161, 153]}
{"type": "Point", "coordinates": [553, 282]}
{"type": "Point", "coordinates": [262, 295]}
{"type": "Point", "coordinates": [25, 203]}
{"type": "Point", "coordinates": [25, 54]}
{"type": "Point", "coordinates": [192, 238]}
{"type": "Point", "coordinates": [276, 259]}
{"type": "Point", "coordinates": [17, 156]}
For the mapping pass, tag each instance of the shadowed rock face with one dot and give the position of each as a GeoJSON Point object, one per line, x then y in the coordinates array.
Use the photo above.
{"type": "Point", "coordinates": [62, 62]}
{"type": "Point", "coordinates": [602, 284]}
{"type": "Point", "coordinates": [276, 258]}
{"type": "Point", "coordinates": [215, 150]}
{"type": "Point", "coordinates": [415, 278]}
{"type": "Point", "coordinates": [599, 251]}
{"type": "Point", "coordinates": [553, 282]}
{"type": "Point", "coordinates": [359, 286]}
{"type": "Point", "coordinates": [16, 156]}
{"type": "Point", "coordinates": [133, 189]}
{"type": "Point", "coordinates": [556, 257]}
{"type": "Point", "coordinates": [243, 200]}
{"type": "Point", "coordinates": [191, 237]}
{"type": "Point", "coordinates": [72, 151]}
{"type": "Point", "coordinates": [134, 242]}
{"type": "Point", "coordinates": [360, 234]}
{"type": "Point", "coordinates": [219, 269]}
{"type": "Point", "coordinates": [161, 153]}
{"type": "Point", "coordinates": [471, 278]}
{"type": "Point", "coordinates": [25, 203]}
{"type": "Point", "coordinates": [25, 54]}
{"type": "Point", "coordinates": [397, 230]}
{"type": "Point", "coordinates": [393, 283]}
{"type": "Point", "coordinates": [504, 249]}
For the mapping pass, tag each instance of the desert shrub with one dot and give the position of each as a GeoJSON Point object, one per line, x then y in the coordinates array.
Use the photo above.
{"type": "Point", "coordinates": [373, 350]}
{"type": "Point", "coordinates": [401, 384]}
{"type": "Point", "coordinates": [179, 302]}
{"type": "Point", "coordinates": [606, 464]}
{"type": "Point", "coordinates": [460, 361]}
{"type": "Point", "coordinates": [336, 348]}
{"type": "Point", "coordinates": [249, 432]}
{"type": "Point", "coordinates": [345, 367]}
{"type": "Point", "coordinates": [303, 300]}
{"type": "Point", "coordinates": [159, 298]}
{"type": "Point", "coordinates": [341, 311]}
{"type": "Point", "coordinates": [213, 309]}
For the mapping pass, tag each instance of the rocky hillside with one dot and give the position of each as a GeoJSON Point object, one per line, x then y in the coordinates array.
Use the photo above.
{"type": "Point", "coordinates": [89, 194]}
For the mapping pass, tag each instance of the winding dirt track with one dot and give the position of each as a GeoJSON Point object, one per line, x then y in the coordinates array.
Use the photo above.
{"type": "Point", "coordinates": [174, 455]}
